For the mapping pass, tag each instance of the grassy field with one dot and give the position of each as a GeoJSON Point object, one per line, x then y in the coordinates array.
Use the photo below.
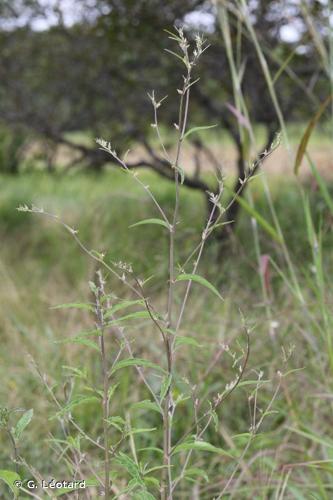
{"type": "Point", "coordinates": [288, 378]}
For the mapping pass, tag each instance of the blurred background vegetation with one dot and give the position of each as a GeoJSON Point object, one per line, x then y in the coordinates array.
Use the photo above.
{"type": "Point", "coordinates": [72, 71]}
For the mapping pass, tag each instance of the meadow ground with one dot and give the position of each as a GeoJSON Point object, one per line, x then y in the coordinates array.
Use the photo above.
{"type": "Point", "coordinates": [288, 311]}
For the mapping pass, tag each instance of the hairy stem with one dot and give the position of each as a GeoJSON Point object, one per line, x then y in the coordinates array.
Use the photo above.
{"type": "Point", "coordinates": [105, 402]}
{"type": "Point", "coordinates": [168, 410]}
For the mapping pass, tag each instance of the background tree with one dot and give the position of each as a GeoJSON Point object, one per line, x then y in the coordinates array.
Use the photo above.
{"type": "Point", "coordinates": [88, 70]}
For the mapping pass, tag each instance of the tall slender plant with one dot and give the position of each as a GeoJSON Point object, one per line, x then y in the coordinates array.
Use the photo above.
{"type": "Point", "coordinates": [115, 441]}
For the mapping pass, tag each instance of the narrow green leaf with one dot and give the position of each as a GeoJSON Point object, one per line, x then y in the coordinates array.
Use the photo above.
{"type": "Point", "coordinates": [136, 362]}
{"type": "Point", "coordinates": [171, 331]}
{"type": "Point", "coordinates": [252, 382]}
{"type": "Point", "coordinates": [117, 419]}
{"type": "Point", "coordinates": [181, 172]}
{"type": "Point", "coordinates": [23, 423]}
{"type": "Point", "coordinates": [285, 374]}
{"type": "Point", "coordinates": [117, 422]}
{"type": "Point", "coordinates": [11, 479]}
{"type": "Point", "coordinates": [196, 472]}
{"type": "Point", "coordinates": [130, 465]}
{"type": "Point", "coordinates": [322, 185]}
{"type": "Point", "coordinates": [152, 448]}
{"type": "Point", "coordinates": [75, 442]}
{"type": "Point", "coordinates": [165, 386]}
{"type": "Point", "coordinates": [198, 129]}
{"type": "Point", "coordinates": [152, 481]}
{"type": "Point", "coordinates": [99, 392]}
{"type": "Point", "coordinates": [159, 222]}
{"type": "Point", "coordinates": [297, 493]}
{"type": "Point", "coordinates": [313, 437]}
{"type": "Point", "coordinates": [92, 287]}
{"type": "Point", "coordinates": [112, 390]}
{"type": "Point", "coordinates": [309, 222]}
{"type": "Point", "coordinates": [76, 372]}
{"type": "Point", "coordinates": [134, 315]}
{"type": "Point", "coordinates": [78, 401]}
{"type": "Point", "coordinates": [215, 419]}
{"type": "Point", "coordinates": [144, 495]}
{"type": "Point", "coordinates": [244, 435]}
{"type": "Point", "coordinates": [79, 335]}
{"type": "Point", "coordinates": [261, 221]}
{"type": "Point", "coordinates": [180, 340]}
{"type": "Point", "coordinates": [147, 405]}
{"type": "Point", "coordinates": [176, 55]}
{"type": "Point", "coordinates": [200, 446]}
{"type": "Point", "coordinates": [74, 305]}
{"type": "Point", "coordinates": [173, 36]}
{"type": "Point", "coordinates": [86, 342]}
{"type": "Point", "coordinates": [199, 279]}
{"type": "Point", "coordinates": [283, 66]}
{"type": "Point", "coordinates": [80, 339]}
{"type": "Point", "coordinates": [153, 469]}
{"type": "Point", "coordinates": [142, 430]}
{"type": "Point", "coordinates": [307, 134]}
{"type": "Point", "coordinates": [122, 305]}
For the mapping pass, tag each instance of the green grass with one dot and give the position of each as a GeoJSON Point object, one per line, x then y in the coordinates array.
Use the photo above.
{"type": "Point", "coordinates": [41, 266]}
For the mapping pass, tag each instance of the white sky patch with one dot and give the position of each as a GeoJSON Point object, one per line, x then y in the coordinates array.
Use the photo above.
{"type": "Point", "coordinates": [202, 21]}
{"type": "Point", "coordinates": [290, 34]}
{"type": "Point", "coordinates": [51, 18]}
